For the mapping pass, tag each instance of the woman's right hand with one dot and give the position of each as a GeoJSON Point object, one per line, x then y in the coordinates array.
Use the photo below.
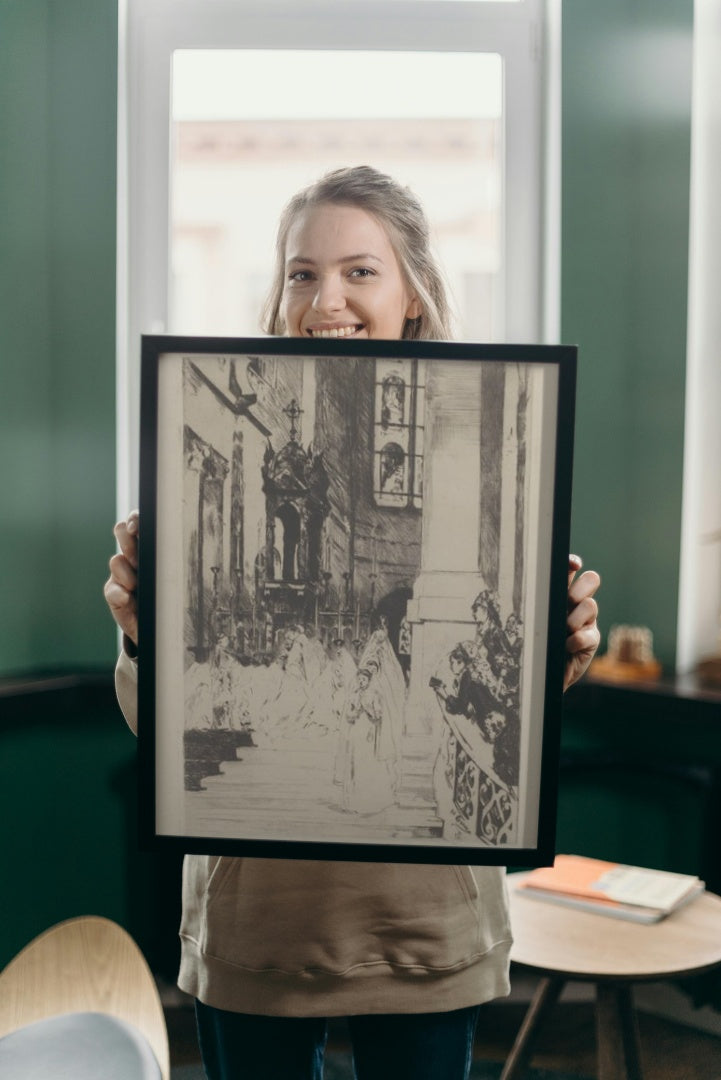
{"type": "Point", "coordinates": [121, 587]}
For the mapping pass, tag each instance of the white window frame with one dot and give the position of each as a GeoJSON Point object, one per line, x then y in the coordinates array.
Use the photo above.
{"type": "Point", "coordinates": [526, 34]}
{"type": "Point", "coordinates": [699, 598]}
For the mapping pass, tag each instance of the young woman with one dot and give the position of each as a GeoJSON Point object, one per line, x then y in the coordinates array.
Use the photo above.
{"type": "Point", "coordinates": [271, 948]}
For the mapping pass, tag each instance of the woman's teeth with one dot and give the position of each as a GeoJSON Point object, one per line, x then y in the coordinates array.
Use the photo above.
{"type": "Point", "coordinates": [336, 332]}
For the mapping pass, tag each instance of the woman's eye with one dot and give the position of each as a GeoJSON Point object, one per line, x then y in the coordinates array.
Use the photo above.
{"type": "Point", "coordinates": [362, 272]}
{"type": "Point", "coordinates": [300, 276]}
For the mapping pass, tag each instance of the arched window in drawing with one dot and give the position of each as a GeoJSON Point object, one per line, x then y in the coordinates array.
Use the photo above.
{"type": "Point", "coordinates": [398, 433]}
{"type": "Point", "coordinates": [393, 469]}
{"type": "Point", "coordinates": [393, 397]}
{"type": "Point", "coordinates": [290, 521]}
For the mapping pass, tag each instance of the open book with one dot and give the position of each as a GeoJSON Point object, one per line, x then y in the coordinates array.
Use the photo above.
{"type": "Point", "coordinates": [608, 888]}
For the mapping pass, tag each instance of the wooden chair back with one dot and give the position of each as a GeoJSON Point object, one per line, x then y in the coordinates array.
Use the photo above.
{"type": "Point", "coordinates": [87, 964]}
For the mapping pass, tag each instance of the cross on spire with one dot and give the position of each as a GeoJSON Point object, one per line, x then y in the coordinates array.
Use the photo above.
{"type": "Point", "coordinates": [293, 411]}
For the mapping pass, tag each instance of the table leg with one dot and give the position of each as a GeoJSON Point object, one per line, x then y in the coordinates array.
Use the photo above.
{"type": "Point", "coordinates": [617, 1033]}
{"type": "Point", "coordinates": [545, 997]}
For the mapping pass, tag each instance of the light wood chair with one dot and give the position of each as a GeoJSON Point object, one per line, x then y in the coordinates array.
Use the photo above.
{"type": "Point", "coordinates": [85, 965]}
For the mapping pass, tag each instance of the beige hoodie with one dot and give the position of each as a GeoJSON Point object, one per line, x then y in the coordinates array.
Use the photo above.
{"type": "Point", "coordinates": [297, 938]}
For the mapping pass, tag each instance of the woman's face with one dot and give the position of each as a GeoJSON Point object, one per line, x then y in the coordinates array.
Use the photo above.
{"type": "Point", "coordinates": [342, 277]}
{"type": "Point", "coordinates": [493, 725]}
{"type": "Point", "coordinates": [480, 614]}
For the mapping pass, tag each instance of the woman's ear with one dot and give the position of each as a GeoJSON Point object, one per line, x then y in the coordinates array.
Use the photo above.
{"type": "Point", "coordinates": [415, 309]}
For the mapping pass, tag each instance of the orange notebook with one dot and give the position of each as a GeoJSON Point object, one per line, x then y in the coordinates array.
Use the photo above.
{"type": "Point", "coordinates": [631, 892]}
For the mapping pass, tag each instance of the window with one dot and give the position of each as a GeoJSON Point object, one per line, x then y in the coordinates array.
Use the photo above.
{"type": "Point", "coordinates": [398, 434]}
{"type": "Point", "coordinates": [236, 159]}
{"type": "Point", "coordinates": [475, 155]}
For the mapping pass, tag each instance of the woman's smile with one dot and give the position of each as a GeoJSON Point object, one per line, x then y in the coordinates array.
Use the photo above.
{"type": "Point", "coordinates": [334, 331]}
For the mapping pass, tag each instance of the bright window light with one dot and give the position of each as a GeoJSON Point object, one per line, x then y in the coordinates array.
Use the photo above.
{"type": "Point", "coordinates": [224, 84]}
{"type": "Point", "coordinates": [434, 121]}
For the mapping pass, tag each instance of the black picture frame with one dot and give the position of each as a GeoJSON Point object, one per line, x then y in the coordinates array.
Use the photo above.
{"type": "Point", "coordinates": [352, 597]}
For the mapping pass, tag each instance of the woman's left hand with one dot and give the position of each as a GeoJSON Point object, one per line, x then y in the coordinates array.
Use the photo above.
{"type": "Point", "coordinates": [582, 633]}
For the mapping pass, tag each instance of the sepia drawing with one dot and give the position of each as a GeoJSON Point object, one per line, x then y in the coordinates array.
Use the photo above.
{"type": "Point", "coordinates": [357, 539]}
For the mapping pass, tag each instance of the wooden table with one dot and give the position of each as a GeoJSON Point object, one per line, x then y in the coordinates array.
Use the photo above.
{"type": "Point", "coordinates": [563, 944]}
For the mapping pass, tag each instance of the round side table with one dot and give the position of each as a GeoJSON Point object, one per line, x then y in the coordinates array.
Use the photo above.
{"type": "Point", "coordinates": [563, 944]}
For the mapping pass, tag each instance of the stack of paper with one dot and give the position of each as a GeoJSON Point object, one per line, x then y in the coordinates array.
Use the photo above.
{"type": "Point", "coordinates": [608, 888]}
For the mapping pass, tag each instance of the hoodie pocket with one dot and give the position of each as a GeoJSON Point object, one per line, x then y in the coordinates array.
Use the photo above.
{"type": "Point", "coordinates": [202, 875]}
{"type": "Point", "coordinates": [469, 888]}
{"type": "Point", "coordinates": [332, 917]}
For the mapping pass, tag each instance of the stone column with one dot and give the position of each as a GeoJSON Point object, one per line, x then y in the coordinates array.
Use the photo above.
{"type": "Point", "coordinates": [473, 514]}
{"type": "Point", "coordinates": [449, 578]}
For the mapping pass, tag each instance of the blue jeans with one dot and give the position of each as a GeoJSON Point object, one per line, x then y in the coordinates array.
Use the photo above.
{"type": "Point", "coordinates": [413, 1046]}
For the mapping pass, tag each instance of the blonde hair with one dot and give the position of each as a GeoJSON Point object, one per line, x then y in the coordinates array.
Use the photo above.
{"type": "Point", "coordinates": [403, 217]}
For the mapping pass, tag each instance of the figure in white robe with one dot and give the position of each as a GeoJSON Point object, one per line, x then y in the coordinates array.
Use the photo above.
{"type": "Point", "coordinates": [223, 665]}
{"type": "Point", "coordinates": [253, 684]}
{"type": "Point", "coordinates": [390, 681]}
{"type": "Point", "coordinates": [198, 697]}
{"type": "Point", "coordinates": [315, 658]}
{"type": "Point", "coordinates": [330, 691]}
{"type": "Point", "coordinates": [369, 750]}
{"type": "Point", "coordinates": [280, 717]}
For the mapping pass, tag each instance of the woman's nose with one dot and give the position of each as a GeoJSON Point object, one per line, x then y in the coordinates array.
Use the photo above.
{"type": "Point", "coordinates": [329, 295]}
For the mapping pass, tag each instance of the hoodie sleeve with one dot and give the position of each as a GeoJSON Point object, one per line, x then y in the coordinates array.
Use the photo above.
{"type": "Point", "coordinates": [126, 688]}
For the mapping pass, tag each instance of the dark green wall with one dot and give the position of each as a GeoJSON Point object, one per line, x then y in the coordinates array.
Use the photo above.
{"type": "Point", "coordinates": [58, 72]}
{"type": "Point", "coordinates": [625, 167]}
{"type": "Point", "coordinates": [650, 786]}
{"type": "Point", "coordinates": [67, 776]}
{"type": "Point", "coordinates": [640, 778]}
{"type": "Point", "coordinates": [68, 804]}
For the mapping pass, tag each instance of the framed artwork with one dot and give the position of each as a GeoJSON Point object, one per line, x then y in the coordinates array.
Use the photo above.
{"type": "Point", "coordinates": [352, 597]}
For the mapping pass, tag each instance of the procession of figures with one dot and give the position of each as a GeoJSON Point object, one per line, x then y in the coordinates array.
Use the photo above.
{"type": "Point", "coordinates": [347, 698]}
